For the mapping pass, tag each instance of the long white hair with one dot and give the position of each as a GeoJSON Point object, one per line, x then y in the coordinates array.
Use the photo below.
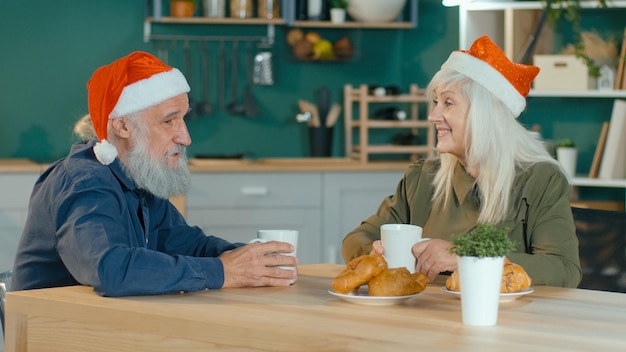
{"type": "Point", "coordinates": [496, 145]}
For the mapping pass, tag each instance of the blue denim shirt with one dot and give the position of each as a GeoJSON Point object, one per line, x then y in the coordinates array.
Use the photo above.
{"type": "Point", "coordinates": [89, 224]}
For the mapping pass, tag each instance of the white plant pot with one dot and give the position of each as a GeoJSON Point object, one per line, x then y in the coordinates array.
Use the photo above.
{"type": "Point", "coordinates": [567, 157]}
{"type": "Point", "coordinates": [480, 280]}
{"type": "Point", "coordinates": [337, 15]}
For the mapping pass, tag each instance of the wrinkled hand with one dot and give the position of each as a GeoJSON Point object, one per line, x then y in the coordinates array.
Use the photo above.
{"type": "Point", "coordinates": [433, 257]}
{"type": "Point", "coordinates": [251, 266]}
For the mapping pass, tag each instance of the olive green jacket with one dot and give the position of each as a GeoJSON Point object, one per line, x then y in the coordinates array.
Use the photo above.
{"type": "Point", "coordinates": [549, 253]}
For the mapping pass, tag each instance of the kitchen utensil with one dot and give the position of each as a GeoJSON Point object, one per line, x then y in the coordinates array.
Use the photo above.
{"type": "Point", "coordinates": [313, 120]}
{"type": "Point", "coordinates": [251, 108]}
{"type": "Point", "coordinates": [189, 75]}
{"type": "Point", "coordinates": [204, 106]}
{"type": "Point", "coordinates": [303, 117]}
{"type": "Point", "coordinates": [323, 104]}
{"type": "Point", "coordinates": [315, 116]}
{"type": "Point", "coordinates": [263, 74]}
{"type": "Point", "coordinates": [333, 115]}
{"type": "Point", "coordinates": [221, 67]}
{"type": "Point", "coordinates": [234, 107]}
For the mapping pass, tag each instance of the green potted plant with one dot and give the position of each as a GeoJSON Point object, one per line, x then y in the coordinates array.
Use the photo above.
{"type": "Point", "coordinates": [484, 240]}
{"type": "Point", "coordinates": [480, 256]}
{"type": "Point", "coordinates": [182, 8]}
{"type": "Point", "coordinates": [567, 154]}
{"type": "Point", "coordinates": [338, 10]}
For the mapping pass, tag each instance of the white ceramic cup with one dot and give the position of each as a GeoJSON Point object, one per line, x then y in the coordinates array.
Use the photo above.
{"type": "Point", "coordinates": [289, 236]}
{"type": "Point", "coordinates": [397, 241]}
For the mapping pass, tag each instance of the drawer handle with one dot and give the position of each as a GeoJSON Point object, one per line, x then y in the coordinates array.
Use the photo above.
{"type": "Point", "coordinates": [254, 191]}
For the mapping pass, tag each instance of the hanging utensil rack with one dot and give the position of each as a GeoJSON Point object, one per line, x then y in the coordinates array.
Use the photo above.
{"type": "Point", "coordinates": [263, 41]}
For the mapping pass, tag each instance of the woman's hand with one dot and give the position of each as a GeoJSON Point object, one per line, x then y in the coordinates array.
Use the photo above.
{"type": "Point", "coordinates": [434, 257]}
{"type": "Point", "coordinates": [377, 248]}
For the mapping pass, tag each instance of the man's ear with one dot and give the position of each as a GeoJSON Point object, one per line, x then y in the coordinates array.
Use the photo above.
{"type": "Point", "coordinates": [120, 127]}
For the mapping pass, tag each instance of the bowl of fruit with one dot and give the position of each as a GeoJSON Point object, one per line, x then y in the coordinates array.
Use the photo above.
{"type": "Point", "coordinates": [313, 47]}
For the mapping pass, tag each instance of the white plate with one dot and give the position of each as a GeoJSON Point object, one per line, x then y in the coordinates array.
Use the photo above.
{"type": "Point", "coordinates": [504, 297]}
{"type": "Point", "coordinates": [362, 297]}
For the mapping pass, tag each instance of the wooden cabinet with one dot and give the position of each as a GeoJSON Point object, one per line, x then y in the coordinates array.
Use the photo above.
{"type": "Point", "coordinates": [361, 123]}
{"type": "Point", "coordinates": [234, 206]}
{"type": "Point", "coordinates": [15, 189]}
{"type": "Point", "coordinates": [323, 206]}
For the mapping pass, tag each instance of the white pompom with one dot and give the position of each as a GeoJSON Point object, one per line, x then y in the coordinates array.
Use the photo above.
{"type": "Point", "coordinates": [105, 152]}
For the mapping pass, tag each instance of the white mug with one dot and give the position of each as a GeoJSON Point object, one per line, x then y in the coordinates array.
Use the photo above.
{"type": "Point", "coordinates": [289, 236]}
{"type": "Point", "coordinates": [397, 241]}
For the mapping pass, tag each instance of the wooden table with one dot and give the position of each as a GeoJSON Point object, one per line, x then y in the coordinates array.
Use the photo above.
{"type": "Point", "coordinates": [305, 317]}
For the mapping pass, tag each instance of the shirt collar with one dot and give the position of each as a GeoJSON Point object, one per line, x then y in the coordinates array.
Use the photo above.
{"type": "Point", "coordinates": [463, 183]}
{"type": "Point", "coordinates": [117, 169]}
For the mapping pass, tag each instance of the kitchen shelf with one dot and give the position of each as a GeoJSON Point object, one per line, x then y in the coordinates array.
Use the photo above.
{"type": "Point", "coordinates": [354, 24]}
{"type": "Point", "coordinates": [364, 125]}
{"type": "Point", "coordinates": [220, 21]}
{"type": "Point", "coordinates": [154, 15]}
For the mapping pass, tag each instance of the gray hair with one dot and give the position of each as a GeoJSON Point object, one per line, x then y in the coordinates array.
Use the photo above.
{"type": "Point", "coordinates": [83, 128]}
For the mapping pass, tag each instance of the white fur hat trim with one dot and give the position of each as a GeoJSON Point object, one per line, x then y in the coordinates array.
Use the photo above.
{"type": "Point", "coordinates": [488, 77]}
{"type": "Point", "coordinates": [149, 92]}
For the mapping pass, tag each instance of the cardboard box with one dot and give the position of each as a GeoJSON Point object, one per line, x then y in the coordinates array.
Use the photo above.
{"type": "Point", "coordinates": [562, 72]}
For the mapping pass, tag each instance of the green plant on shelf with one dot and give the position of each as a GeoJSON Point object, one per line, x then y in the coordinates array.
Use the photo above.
{"type": "Point", "coordinates": [338, 4]}
{"type": "Point", "coordinates": [569, 11]}
{"type": "Point", "coordinates": [566, 143]}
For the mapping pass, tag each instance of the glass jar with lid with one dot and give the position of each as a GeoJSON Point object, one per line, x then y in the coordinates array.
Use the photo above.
{"type": "Point", "coordinates": [241, 8]}
{"type": "Point", "coordinates": [269, 9]}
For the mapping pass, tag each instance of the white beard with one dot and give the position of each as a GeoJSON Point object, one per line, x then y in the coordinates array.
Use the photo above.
{"type": "Point", "coordinates": [154, 174]}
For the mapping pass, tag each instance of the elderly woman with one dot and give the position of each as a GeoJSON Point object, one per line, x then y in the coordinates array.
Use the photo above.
{"type": "Point", "coordinates": [490, 169]}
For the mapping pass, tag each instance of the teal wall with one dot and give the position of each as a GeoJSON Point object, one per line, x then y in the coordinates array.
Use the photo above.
{"type": "Point", "coordinates": [49, 51]}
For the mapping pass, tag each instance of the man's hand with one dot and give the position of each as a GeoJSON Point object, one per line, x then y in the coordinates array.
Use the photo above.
{"type": "Point", "coordinates": [256, 264]}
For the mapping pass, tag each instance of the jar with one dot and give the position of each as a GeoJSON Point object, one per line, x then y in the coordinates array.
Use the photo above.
{"type": "Point", "coordinates": [269, 9]}
{"type": "Point", "coordinates": [241, 8]}
{"type": "Point", "coordinates": [214, 8]}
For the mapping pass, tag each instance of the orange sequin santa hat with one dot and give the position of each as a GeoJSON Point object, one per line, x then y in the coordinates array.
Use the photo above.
{"type": "Point", "coordinates": [486, 64]}
{"type": "Point", "coordinates": [130, 84]}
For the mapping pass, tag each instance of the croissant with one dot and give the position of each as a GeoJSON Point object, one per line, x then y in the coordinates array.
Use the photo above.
{"type": "Point", "coordinates": [397, 282]}
{"type": "Point", "coordinates": [514, 279]}
{"type": "Point", "coordinates": [358, 271]}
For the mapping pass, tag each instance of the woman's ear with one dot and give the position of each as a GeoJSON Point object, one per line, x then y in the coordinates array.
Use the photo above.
{"type": "Point", "coordinates": [120, 127]}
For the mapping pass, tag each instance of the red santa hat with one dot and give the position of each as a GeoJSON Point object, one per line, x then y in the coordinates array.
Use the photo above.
{"type": "Point", "coordinates": [130, 84]}
{"type": "Point", "coordinates": [486, 64]}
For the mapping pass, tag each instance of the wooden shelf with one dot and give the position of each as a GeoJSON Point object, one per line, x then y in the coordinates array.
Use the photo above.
{"type": "Point", "coordinates": [220, 21]}
{"type": "Point", "coordinates": [363, 124]}
{"type": "Point", "coordinates": [392, 124]}
{"type": "Point", "coordinates": [354, 24]}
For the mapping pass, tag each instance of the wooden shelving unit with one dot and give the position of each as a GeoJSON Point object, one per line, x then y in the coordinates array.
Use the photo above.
{"type": "Point", "coordinates": [363, 123]}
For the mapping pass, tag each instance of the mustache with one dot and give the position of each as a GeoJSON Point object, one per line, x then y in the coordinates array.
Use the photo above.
{"type": "Point", "coordinates": [178, 149]}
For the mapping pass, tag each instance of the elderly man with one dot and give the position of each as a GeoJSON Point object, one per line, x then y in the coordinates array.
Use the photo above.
{"type": "Point", "coordinates": [101, 216]}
